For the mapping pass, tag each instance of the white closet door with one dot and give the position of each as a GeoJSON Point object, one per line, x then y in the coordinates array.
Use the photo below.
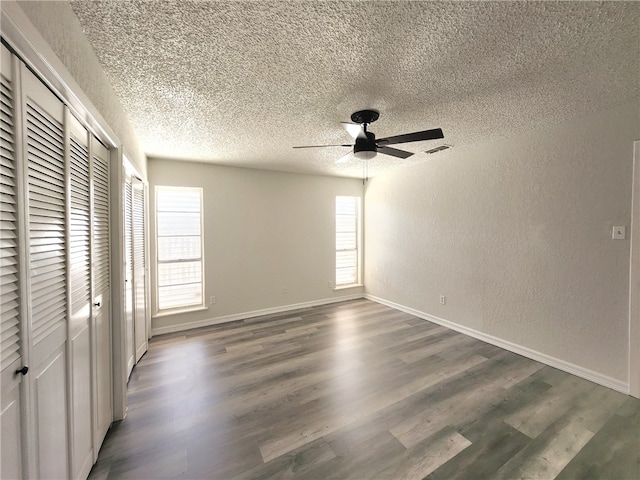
{"type": "Point", "coordinates": [80, 355]}
{"type": "Point", "coordinates": [139, 268]}
{"type": "Point", "coordinates": [101, 293]}
{"type": "Point", "coordinates": [54, 284]}
{"type": "Point", "coordinates": [128, 248]}
{"type": "Point", "coordinates": [10, 331]}
{"type": "Point", "coordinates": [47, 299]}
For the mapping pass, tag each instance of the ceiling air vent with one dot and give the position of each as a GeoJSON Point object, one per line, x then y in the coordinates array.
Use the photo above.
{"type": "Point", "coordinates": [438, 149]}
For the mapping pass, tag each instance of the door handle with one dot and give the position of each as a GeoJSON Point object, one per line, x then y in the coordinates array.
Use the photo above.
{"type": "Point", "coordinates": [22, 371]}
{"type": "Point", "coordinates": [97, 304]}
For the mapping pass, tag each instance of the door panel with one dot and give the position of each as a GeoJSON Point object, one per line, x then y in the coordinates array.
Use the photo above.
{"type": "Point", "coordinates": [139, 268]}
{"type": "Point", "coordinates": [11, 438]}
{"type": "Point", "coordinates": [10, 328]}
{"type": "Point", "coordinates": [81, 405]}
{"type": "Point", "coordinates": [101, 293]}
{"type": "Point", "coordinates": [51, 419]}
{"type": "Point", "coordinates": [47, 280]}
{"type": "Point", "coordinates": [79, 275]}
{"type": "Point", "coordinates": [128, 248]}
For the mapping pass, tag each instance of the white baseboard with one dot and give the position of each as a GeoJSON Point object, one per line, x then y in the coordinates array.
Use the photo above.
{"type": "Point", "coordinates": [255, 313]}
{"type": "Point", "coordinates": [563, 365]}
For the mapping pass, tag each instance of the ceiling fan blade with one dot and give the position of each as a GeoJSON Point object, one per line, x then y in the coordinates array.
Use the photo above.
{"type": "Point", "coordinates": [321, 146]}
{"type": "Point", "coordinates": [412, 137]}
{"type": "Point", "coordinates": [354, 129]}
{"type": "Point", "coordinates": [394, 152]}
{"type": "Point", "coordinates": [344, 159]}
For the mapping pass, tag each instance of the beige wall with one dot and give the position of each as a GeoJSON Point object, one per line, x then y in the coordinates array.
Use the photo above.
{"type": "Point", "coordinates": [517, 235]}
{"type": "Point", "coordinates": [60, 28]}
{"type": "Point", "coordinates": [263, 231]}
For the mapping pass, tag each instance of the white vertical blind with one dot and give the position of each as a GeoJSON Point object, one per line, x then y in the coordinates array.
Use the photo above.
{"type": "Point", "coordinates": [179, 242]}
{"type": "Point", "coordinates": [9, 315]}
{"type": "Point", "coordinates": [347, 241]}
{"type": "Point", "coordinates": [45, 159]}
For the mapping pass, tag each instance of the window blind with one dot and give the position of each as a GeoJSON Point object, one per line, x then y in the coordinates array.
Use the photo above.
{"type": "Point", "coordinates": [347, 240]}
{"type": "Point", "coordinates": [179, 247]}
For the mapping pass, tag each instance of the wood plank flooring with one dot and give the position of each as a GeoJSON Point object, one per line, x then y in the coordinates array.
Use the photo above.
{"type": "Point", "coordinates": [357, 390]}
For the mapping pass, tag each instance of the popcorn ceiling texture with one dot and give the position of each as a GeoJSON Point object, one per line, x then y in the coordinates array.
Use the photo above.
{"type": "Point", "coordinates": [240, 83]}
{"type": "Point", "coordinates": [59, 26]}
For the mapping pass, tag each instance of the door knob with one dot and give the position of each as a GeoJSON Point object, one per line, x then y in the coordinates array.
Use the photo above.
{"type": "Point", "coordinates": [23, 370]}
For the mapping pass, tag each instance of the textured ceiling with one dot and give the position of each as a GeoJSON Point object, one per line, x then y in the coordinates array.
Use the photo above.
{"type": "Point", "coordinates": [240, 83]}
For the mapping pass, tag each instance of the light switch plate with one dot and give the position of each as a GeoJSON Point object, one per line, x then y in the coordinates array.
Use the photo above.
{"type": "Point", "coordinates": [619, 233]}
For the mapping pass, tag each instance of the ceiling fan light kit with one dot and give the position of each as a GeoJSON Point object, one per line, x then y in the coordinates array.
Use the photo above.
{"type": "Point", "coordinates": [366, 146]}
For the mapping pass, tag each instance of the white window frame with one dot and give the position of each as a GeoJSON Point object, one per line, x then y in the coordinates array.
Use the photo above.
{"type": "Point", "coordinates": [358, 243]}
{"type": "Point", "coordinates": [186, 307]}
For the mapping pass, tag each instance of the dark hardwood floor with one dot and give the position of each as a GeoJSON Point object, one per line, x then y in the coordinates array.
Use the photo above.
{"type": "Point", "coordinates": [359, 390]}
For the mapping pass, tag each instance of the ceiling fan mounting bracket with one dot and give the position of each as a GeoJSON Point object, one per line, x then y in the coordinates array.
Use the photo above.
{"type": "Point", "coordinates": [365, 116]}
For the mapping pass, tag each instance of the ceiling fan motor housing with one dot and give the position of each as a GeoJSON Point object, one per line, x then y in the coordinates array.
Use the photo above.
{"type": "Point", "coordinates": [365, 148]}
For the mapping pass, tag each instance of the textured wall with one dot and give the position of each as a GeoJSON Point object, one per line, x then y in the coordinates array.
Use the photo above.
{"type": "Point", "coordinates": [59, 26]}
{"type": "Point", "coordinates": [517, 235]}
{"type": "Point", "coordinates": [263, 230]}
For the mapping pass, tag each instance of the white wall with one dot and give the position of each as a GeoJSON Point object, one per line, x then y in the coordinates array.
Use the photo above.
{"type": "Point", "coordinates": [263, 231]}
{"type": "Point", "coordinates": [517, 235]}
{"type": "Point", "coordinates": [59, 26]}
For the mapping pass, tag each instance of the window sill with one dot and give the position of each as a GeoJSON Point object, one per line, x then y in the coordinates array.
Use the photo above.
{"type": "Point", "coordinates": [351, 285]}
{"type": "Point", "coordinates": [178, 311]}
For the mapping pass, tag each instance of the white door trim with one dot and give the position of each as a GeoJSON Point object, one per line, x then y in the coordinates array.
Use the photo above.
{"type": "Point", "coordinates": [634, 279]}
{"type": "Point", "coordinates": [118, 334]}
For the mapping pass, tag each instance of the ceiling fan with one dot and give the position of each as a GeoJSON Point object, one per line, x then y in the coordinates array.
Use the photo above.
{"type": "Point", "coordinates": [367, 146]}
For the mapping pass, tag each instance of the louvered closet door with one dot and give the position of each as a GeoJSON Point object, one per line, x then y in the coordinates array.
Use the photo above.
{"type": "Point", "coordinates": [80, 354]}
{"type": "Point", "coordinates": [101, 296]}
{"type": "Point", "coordinates": [10, 329]}
{"type": "Point", "coordinates": [128, 246]}
{"type": "Point", "coordinates": [139, 268]}
{"type": "Point", "coordinates": [47, 299]}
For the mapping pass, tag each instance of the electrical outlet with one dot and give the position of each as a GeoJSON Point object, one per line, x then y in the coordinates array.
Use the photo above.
{"type": "Point", "coordinates": [443, 300]}
{"type": "Point", "coordinates": [212, 299]}
{"type": "Point", "coordinates": [330, 284]}
{"type": "Point", "coordinates": [284, 290]}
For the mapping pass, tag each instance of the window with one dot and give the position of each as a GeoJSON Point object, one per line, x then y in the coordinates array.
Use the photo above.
{"type": "Point", "coordinates": [347, 241]}
{"type": "Point", "coordinates": [180, 262]}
